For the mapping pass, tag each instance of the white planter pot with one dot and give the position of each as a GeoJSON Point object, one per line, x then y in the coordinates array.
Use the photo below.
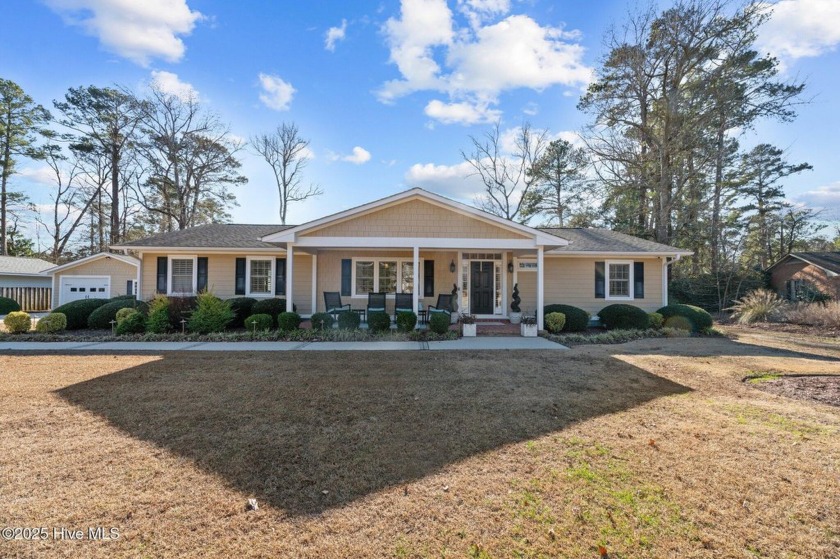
{"type": "Point", "coordinates": [468, 330]}
{"type": "Point", "coordinates": [528, 330]}
{"type": "Point", "coordinates": [515, 317]}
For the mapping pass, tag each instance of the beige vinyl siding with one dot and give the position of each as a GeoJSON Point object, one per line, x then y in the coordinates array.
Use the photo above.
{"type": "Point", "coordinates": [302, 286]}
{"type": "Point", "coordinates": [119, 272]}
{"type": "Point", "coordinates": [416, 218]}
{"type": "Point", "coordinates": [527, 292]}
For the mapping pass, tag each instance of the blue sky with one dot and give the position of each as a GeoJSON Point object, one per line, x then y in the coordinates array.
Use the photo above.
{"type": "Point", "coordinates": [388, 92]}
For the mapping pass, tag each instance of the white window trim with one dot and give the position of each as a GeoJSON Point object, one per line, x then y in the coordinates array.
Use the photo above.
{"type": "Point", "coordinates": [607, 295]}
{"type": "Point", "coordinates": [272, 277]}
{"type": "Point", "coordinates": [418, 281]}
{"type": "Point", "coordinates": [194, 259]}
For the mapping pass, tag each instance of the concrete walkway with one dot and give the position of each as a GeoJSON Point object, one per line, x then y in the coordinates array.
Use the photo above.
{"type": "Point", "coordinates": [514, 342]}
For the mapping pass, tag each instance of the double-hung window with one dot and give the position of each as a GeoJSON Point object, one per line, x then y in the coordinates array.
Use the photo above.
{"type": "Point", "coordinates": [260, 276]}
{"type": "Point", "coordinates": [619, 280]}
{"type": "Point", "coordinates": [182, 276]}
{"type": "Point", "coordinates": [382, 275]}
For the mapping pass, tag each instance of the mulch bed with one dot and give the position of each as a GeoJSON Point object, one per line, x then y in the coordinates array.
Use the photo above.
{"type": "Point", "coordinates": [818, 388]}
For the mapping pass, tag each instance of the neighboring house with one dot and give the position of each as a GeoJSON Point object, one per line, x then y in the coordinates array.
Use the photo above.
{"type": "Point", "coordinates": [23, 280]}
{"type": "Point", "coordinates": [799, 273]}
{"type": "Point", "coordinates": [99, 276]}
{"type": "Point", "coordinates": [415, 242]}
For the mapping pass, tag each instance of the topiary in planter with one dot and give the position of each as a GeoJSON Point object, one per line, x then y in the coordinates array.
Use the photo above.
{"type": "Point", "coordinates": [577, 320]}
{"type": "Point", "coordinates": [321, 321]}
{"type": "Point", "coordinates": [554, 322]}
{"type": "Point", "coordinates": [406, 321]}
{"type": "Point", "coordinates": [263, 322]}
{"type": "Point", "coordinates": [133, 323]}
{"type": "Point", "coordinates": [515, 299]}
{"type": "Point", "coordinates": [8, 305]}
{"type": "Point", "coordinates": [685, 317]}
{"type": "Point", "coordinates": [621, 316]}
{"type": "Point", "coordinates": [655, 320]}
{"type": "Point", "coordinates": [242, 308]}
{"type": "Point", "coordinates": [379, 321]}
{"type": "Point", "coordinates": [288, 321]}
{"type": "Point", "coordinates": [17, 322]}
{"type": "Point", "coordinates": [78, 312]}
{"type": "Point", "coordinates": [100, 318]}
{"type": "Point", "coordinates": [273, 306]}
{"type": "Point", "coordinates": [439, 323]}
{"type": "Point", "coordinates": [158, 319]}
{"type": "Point", "coordinates": [211, 315]}
{"type": "Point", "coordinates": [348, 320]}
{"type": "Point", "coordinates": [53, 322]}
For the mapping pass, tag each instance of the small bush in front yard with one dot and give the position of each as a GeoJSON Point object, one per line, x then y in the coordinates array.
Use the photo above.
{"type": "Point", "coordinates": [273, 307]}
{"type": "Point", "coordinates": [287, 321]}
{"type": "Point", "coordinates": [439, 322]}
{"type": "Point", "coordinates": [53, 322]}
{"type": "Point", "coordinates": [577, 320]}
{"type": "Point", "coordinates": [124, 312]}
{"type": "Point", "coordinates": [554, 322]}
{"type": "Point", "coordinates": [100, 318]}
{"type": "Point", "coordinates": [348, 320]}
{"type": "Point", "coordinates": [158, 319]}
{"type": "Point", "coordinates": [759, 305]}
{"type": "Point", "coordinates": [406, 321]}
{"type": "Point", "coordinates": [17, 322]}
{"type": "Point", "coordinates": [655, 320]}
{"type": "Point", "coordinates": [181, 308]}
{"type": "Point", "coordinates": [8, 305]}
{"type": "Point", "coordinates": [321, 321]}
{"type": "Point", "coordinates": [263, 322]}
{"type": "Point", "coordinates": [211, 315]}
{"type": "Point", "coordinates": [686, 317]}
{"type": "Point", "coordinates": [134, 322]}
{"type": "Point", "coordinates": [621, 316]}
{"type": "Point", "coordinates": [78, 312]}
{"type": "Point", "coordinates": [379, 321]}
{"type": "Point", "coordinates": [242, 308]}
{"type": "Point", "coordinates": [826, 315]}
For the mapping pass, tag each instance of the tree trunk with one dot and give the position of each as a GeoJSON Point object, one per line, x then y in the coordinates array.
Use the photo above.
{"type": "Point", "coordinates": [7, 156]}
{"type": "Point", "coordinates": [115, 194]}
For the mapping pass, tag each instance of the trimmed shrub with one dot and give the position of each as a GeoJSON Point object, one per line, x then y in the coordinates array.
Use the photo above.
{"type": "Point", "coordinates": [263, 322]}
{"type": "Point", "coordinates": [759, 305]}
{"type": "Point", "coordinates": [53, 322]}
{"type": "Point", "coordinates": [272, 307]}
{"type": "Point", "coordinates": [655, 320]}
{"type": "Point", "coordinates": [554, 322]}
{"type": "Point", "coordinates": [439, 323]}
{"type": "Point", "coordinates": [577, 320]}
{"type": "Point", "coordinates": [379, 321]}
{"type": "Point", "coordinates": [242, 307]}
{"type": "Point", "coordinates": [406, 321]}
{"type": "Point", "coordinates": [158, 320]}
{"type": "Point", "coordinates": [288, 321]}
{"type": "Point", "coordinates": [8, 305]}
{"type": "Point", "coordinates": [78, 312]}
{"type": "Point", "coordinates": [122, 313]}
{"type": "Point", "coordinates": [685, 317]}
{"type": "Point", "coordinates": [348, 320]}
{"type": "Point", "coordinates": [321, 321]}
{"type": "Point", "coordinates": [181, 308]}
{"type": "Point", "coordinates": [17, 322]}
{"type": "Point", "coordinates": [211, 315]}
{"type": "Point", "coordinates": [621, 316]}
{"type": "Point", "coordinates": [133, 323]}
{"type": "Point", "coordinates": [100, 319]}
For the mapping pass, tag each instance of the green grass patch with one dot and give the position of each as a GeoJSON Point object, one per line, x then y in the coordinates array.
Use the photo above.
{"type": "Point", "coordinates": [753, 415]}
{"type": "Point", "coordinates": [759, 377]}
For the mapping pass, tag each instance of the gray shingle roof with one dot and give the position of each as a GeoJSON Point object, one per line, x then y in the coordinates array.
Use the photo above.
{"type": "Point", "coordinates": [604, 240]}
{"type": "Point", "coordinates": [826, 260]}
{"type": "Point", "coordinates": [16, 265]}
{"type": "Point", "coordinates": [215, 235]}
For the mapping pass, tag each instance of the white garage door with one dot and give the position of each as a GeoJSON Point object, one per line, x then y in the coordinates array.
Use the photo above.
{"type": "Point", "coordinates": [74, 288]}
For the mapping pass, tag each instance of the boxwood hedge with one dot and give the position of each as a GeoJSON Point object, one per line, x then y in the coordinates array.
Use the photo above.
{"type": "Point", "coordinates": [577, 320]}
{"type": "Point", "coordinates": [78, 312]}
{"type": "Point", "coordinates": [8, 305]}
{"type": "Point", "coordinates": [621, 316]}
{"type": "Point", "coordinates": [676, 316]}
{"type": "Point", "coordinates": [100, 318]}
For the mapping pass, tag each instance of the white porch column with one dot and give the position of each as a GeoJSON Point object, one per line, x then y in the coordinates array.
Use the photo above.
{"type": "Point", "coordinates": [540, 287]}
{"type": "Point", "coordinates": [664, 281]}
{"type": "Point", "coordinates": [416, 301]}
{"type": "Point", "coordinates": [314, 283]}
{"type": "Point", "coordinates": [289, 276]}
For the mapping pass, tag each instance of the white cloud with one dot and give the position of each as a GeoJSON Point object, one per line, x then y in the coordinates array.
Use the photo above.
{"type": "Point", "coordinates": [801, 28]}
{"type": "Point", "coordinates": [335, 34]}
{"type": "Point", "coordinates": [461, 113]}
{"type": "Point", "coordinates": [42, 175]}
{"type": "Point", "coordinates": [170, 83]}
{"type": "Point", "coordinates": [456, 181]}
{"type": "Point", "coordinates": [139, 31]}
{"type": "Point", "coordinates": [359, 156]}
{"type": "Point", "coordinates": [276, 93]}
{"type": "Point", "coordinates": [825, 198]}
{"type": "Point", "coordinates": [474, 64]}
{"type": "Point", "coordinates": [531, 109]}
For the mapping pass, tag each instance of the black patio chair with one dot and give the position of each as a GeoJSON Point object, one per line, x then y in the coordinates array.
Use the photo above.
{"type": "Point", "coordinates": [444, 305]}
{"type": "Point", "coordinates": [376, 303]}
{"type": "Point", "coordinates": [332, 303]}
{"type": "Point", "coordinates": [403, 302]}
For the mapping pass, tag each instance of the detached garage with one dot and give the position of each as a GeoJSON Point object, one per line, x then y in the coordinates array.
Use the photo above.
{"type": "Point", "coordinates": [99, 276]}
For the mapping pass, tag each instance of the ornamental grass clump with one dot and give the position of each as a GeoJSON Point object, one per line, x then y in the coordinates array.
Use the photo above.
{"type": "Point", "coordinates": [759, 305]}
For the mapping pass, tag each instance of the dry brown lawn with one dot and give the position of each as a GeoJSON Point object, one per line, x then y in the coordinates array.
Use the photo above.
{"type": "Point", "coordinates": [652, 449]}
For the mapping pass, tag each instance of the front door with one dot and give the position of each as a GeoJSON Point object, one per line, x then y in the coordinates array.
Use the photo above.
{"type": "Point", "coordinates": [481, 287]}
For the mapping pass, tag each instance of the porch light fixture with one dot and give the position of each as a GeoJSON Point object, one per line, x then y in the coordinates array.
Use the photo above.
{"type": "Point", "coordinates": [452, 266]}
{"type": "Point", "coordinates": [510, 267]}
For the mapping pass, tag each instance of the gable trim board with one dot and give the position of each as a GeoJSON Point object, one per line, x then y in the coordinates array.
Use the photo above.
{"type": "Point", "coordinates": [119, 268]}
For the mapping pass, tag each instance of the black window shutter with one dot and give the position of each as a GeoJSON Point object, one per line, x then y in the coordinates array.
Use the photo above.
{"type": "Point", "coordinates": [239, 285]}
{"type": "Point", "coordinates": [201, 275]}
{"type": "Point", "coordinates": [162, 264]}
{"type": "Point", "coordinates": [428, 278]}
{"type": "Point", "coordinates": [280, 276]}
{"type": "Point", "coordinates": [129, 287]}
{"type": "Point", "coordinates": [638, 280]}
{"type": "Point", "coordinates": [599, 280]}
{"type": "Point", "coordinates": [346, 276]}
